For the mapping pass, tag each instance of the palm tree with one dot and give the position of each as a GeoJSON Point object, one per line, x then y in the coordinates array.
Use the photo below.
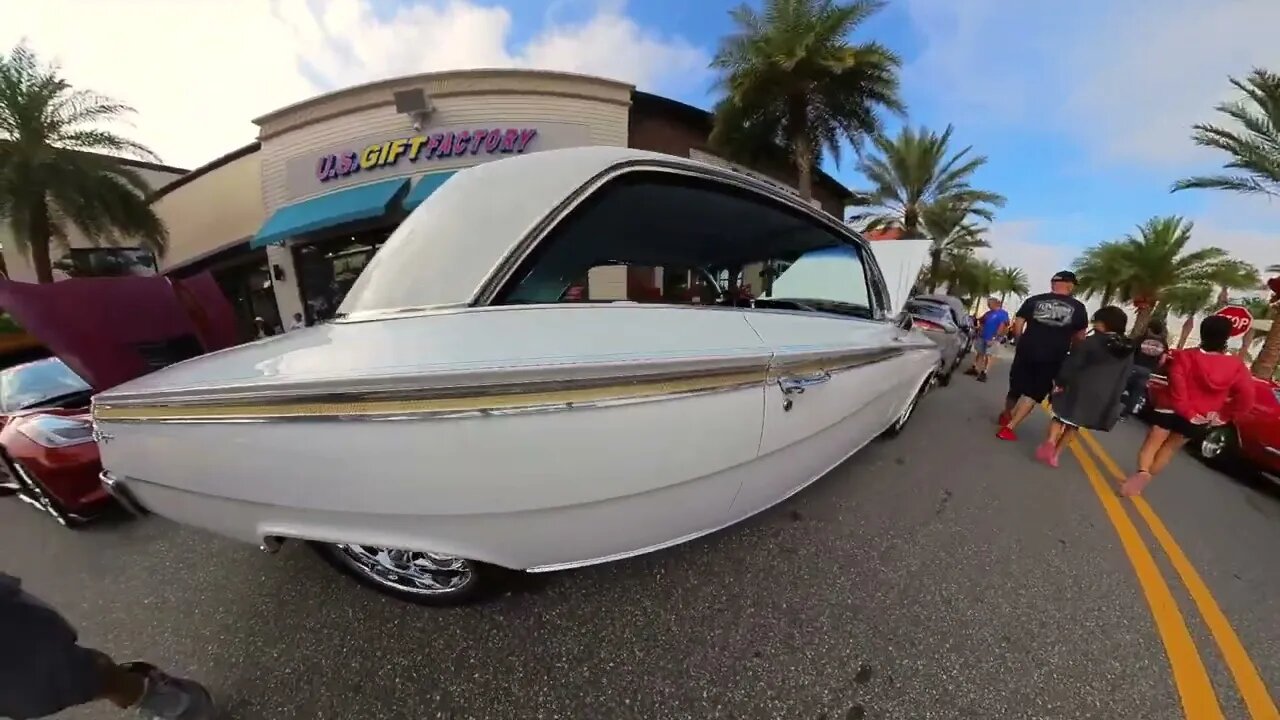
{"type": "Point", "coordinates": [983, 275]}
{"type": "Point", "coordinates": [1100, 271]}
{"type": "Point", "coordinates": [1188, 301]}
{"type": "Point", "coordinates": [916, 172]}
{"type": "Point", "coordinates": [792, 79]}
{"type": "Point", "coordinates": [48, 180]}
{"type": "Point", "coordinates": [1155, 262]}
{"type": "Point", "coordinates": [952, 234]}
{"type": "Point", "coordinates": [1011, 280]}
{"type": "Point", "coordinates": [1254, 168]}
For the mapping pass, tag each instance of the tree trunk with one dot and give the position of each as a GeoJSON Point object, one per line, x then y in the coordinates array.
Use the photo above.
{"type": "Point", "coordinates": [1141, 319]}
{"type": "Point", "coordinates": [1245, 342]}
{"type": "Point", "coordinates": [935, 267]}
{"type": "Point", "coordinates": [1269, 356]}
{"type": "Point", "coordinates": [1187, 325]}
{"type": "Point", "coordinates": [39, 231]}
{"type": "Point", "coordinates": [1107, 293]}
{"type": "Point", "coordinates": [798, 126]}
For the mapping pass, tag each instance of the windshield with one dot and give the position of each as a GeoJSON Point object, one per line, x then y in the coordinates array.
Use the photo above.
{"type": "Point", "coordinates": [38, 383]}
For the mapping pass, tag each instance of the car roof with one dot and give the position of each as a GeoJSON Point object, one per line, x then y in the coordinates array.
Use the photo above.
{"type": "Point", "coordinates": [463, 232]}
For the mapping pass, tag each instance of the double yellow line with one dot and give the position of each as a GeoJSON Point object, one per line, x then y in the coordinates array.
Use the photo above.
{"type": "Point", "coordinates": [1199, 700]}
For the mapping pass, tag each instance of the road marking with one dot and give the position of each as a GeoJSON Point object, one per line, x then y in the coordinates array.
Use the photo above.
{"type": "Point", "coordinates": [1252, 688]}
{"type": "Point", "coordinates": [1189, 675]}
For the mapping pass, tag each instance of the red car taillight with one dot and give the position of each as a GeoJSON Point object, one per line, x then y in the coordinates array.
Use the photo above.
{"type": "Point", "coordinates": [926, 324]}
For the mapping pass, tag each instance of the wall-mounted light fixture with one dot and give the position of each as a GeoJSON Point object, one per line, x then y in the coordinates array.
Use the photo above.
{"type": "Point", "coordinates": [415, 104]}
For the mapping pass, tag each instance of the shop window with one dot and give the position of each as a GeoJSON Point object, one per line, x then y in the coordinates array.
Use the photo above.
{"type": "Point", "coordinates": [328, 268]}
{"type": "Point", "coordinates": [661, 238]}
{"type": "Point", "coordinates": [248, 286]}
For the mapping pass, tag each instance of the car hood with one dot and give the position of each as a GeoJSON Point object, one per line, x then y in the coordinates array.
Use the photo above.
{"type": "Point", "coordinates": [111, 330]}
{"type": "Point", "coordinates": [900, 262]}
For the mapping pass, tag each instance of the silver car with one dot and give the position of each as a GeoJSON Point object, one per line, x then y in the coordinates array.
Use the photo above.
{"type": "Point", "coordinates": [939, 322]}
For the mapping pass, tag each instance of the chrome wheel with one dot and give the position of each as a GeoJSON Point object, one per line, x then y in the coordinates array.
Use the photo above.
{"type": "Point", "coordinates": [409, 572]}
{"type": "Point", "coordinates": [1213, 444]}
{"type": "Point", "coordinates": [33, 493]}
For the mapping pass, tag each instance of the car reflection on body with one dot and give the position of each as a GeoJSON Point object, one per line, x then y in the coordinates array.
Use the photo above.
{"type": "Point", "coordinates": [47, 454]}
{"type": "Point", "coordinates": [467, 410]}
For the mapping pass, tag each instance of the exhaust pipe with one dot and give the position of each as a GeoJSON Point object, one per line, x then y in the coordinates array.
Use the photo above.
{"type": "Point", "coordinates": [271, 544]}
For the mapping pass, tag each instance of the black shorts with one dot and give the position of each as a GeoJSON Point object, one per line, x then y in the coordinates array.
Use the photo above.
{"type": "Point", "coordinates": [1032, 378]}
{"type": "Point", "coordinates": [1175, 423]}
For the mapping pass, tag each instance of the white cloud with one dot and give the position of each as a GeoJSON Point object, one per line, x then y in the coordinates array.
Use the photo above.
{"type": "Point", "coordinates": [1019, 243]}
{"type": "Point", "coordinates": [1154, 68]}
{"type": "Point", "coordinates": [208, 66]}
{"type": "Point", "coordinates": [1126, 78]}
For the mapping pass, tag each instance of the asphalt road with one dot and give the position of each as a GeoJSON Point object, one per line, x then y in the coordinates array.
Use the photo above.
{"type": "Point", "coordinates": [942, 574]}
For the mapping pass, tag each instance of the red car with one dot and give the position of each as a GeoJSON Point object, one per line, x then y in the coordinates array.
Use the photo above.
{"type": "Point", "coordinates": [101, 332]}
{"type": "Point", "coordinates": [47, 453]}
{"type": "Point", "coordinates": [1251, 440]}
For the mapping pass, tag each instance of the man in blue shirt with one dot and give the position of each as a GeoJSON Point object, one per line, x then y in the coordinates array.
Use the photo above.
{"type": "Point", "coordinates": [993, 323]}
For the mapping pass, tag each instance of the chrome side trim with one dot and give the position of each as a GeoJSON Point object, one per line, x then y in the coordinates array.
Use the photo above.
{"type": "Point", "coordinates": [1272, 450]}
{"type": "Point", "coordinates": [566, 373]}
{"type": "Point", "coordinates": [424, 408]}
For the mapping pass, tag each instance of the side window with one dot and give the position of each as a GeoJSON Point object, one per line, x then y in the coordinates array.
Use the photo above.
{"type": "Point", "coordinates": [656, 237]}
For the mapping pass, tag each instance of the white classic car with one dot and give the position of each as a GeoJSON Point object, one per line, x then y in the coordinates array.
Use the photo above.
{"type": "Point", "coordinates": [489, 396]}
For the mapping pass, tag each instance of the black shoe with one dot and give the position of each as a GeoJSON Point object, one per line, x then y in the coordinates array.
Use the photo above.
{"type": "Point", "coordinates": [971, 371]}
{"type": "Point", "coordinates": [982, 377]}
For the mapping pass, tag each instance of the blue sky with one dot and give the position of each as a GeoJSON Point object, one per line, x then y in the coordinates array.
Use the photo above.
{"type": "Point", "coordinates": [1084, 108]}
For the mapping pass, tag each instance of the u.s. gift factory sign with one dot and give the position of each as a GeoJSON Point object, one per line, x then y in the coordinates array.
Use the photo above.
{"type": "Point", "coordinates": [371, 159]}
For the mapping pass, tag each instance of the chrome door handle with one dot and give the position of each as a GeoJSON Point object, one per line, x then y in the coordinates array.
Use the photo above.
{"type": "Point", "coordinates": [795, 384]}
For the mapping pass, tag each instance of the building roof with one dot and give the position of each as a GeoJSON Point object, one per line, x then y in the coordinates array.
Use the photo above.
{"type": "Point", "coordinates": [691, 115]}
{"type": "Point", "coordinates": [205, 169]}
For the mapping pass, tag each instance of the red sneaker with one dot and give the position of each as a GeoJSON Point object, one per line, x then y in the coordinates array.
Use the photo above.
{"type": "Point", "coordinates": [1004, 418]}
{"type": "Point", "coordinates": [1044, 451]}
{"type": "Point", "coordinates": [1007, 433]}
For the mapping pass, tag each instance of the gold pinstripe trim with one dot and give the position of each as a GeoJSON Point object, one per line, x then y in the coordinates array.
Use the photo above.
{"type": "Point", "coordinates": [391, 407]}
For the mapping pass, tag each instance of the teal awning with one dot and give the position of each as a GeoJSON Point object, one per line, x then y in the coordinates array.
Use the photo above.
{"type": "Point", "coordinates": [358, 203]}
{"type": "Point", "coordinates": [426, 185]}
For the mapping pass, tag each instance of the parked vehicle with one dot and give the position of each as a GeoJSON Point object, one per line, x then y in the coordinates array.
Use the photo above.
{"type": "Point", "coordinates": [959, 315]}
{"type": "Point", "coordinates": [938, 323]}
{"type": "Point", "coordinates": [47, 454]}
{"type": "Point", "coordinates": [1250, 442]}
{"type": "Point", "coordinates": [458, 415]}
{"type": "Point", "coordinates": [99, 331]}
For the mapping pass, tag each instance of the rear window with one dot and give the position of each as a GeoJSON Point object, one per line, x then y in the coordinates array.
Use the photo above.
{"type": "Point", "coordinates": [929, 310]}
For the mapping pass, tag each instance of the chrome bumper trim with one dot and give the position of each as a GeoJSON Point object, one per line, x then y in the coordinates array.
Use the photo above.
{"type": "Point", "coordinates": [115, 487]}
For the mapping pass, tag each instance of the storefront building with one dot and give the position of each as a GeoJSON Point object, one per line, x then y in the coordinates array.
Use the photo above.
{"type": "Point", "coordinates": [287, 223]}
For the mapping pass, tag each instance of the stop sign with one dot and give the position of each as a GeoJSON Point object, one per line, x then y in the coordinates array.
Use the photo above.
{"type": "Point", "coordinates": [1240, 317]}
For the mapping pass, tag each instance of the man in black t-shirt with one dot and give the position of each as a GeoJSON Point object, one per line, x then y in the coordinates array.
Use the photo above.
{"type": "Point", "coordinates": [1147, 357]}
{"type": "Point", "coordinates": [1046, 325]}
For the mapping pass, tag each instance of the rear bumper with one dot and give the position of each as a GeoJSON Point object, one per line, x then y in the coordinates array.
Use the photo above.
{"type": "Point", "coordinates": [116, 487]}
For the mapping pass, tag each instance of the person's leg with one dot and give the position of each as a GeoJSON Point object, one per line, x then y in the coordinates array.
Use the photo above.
{"type": "Point", "coordinates": [1069, 432]}
{"type": "Point", "coordinates": [1166, 451]}
{"type": "Point", "coordinates": [44, 670]}
{"type": "Point", "coordinates": [1135, 388]}
{"type": "Point", "coordinates": [1044, 451]}
{"type": "Point", "coordinates": [1147, 456]}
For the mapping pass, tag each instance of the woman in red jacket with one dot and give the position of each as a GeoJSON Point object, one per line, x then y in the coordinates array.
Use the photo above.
{"type": "Point", "coordinates": [1207, 387]}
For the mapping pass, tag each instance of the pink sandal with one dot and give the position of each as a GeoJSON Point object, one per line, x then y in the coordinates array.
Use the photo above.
{"type": "Point", "coordinates": [1135, 484]}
